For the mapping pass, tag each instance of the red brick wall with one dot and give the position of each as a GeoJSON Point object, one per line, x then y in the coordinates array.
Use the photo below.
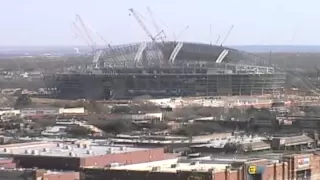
{"type": "Point", "coordinates": [300, 156]}
{"type": "Point", "coordinates": [8, 165]}
{"type": "Point", "coordinates": [275, 172]}
{"type": "Point", "coordinates": [62, 176]}
{"type": "Point", "coordinates": [315, 164]}
{"type": "Point", "coordinates": [6, 161]}
{"type": "Point", "coordinates": [133, 157]}
{"type": "Point", "coordinates": [271, 172]}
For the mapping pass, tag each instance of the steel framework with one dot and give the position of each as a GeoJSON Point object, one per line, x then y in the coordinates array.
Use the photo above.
{"type": "Point", "coordinates": [177, 69]}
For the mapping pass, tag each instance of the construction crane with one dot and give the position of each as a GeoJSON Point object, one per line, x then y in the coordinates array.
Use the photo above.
{"type": "Point", "coordinates": [181, 32]}
{"type": "Point", "coordinates": [86, 31]}
{"type": "Point", "coordinates": [86, 28]}
{"type": "Point", "coordinates": [153, 20]}
{"type": "Point", "coordinates": [217, 40]}
{"type": "Point", "coordinates": [99, 35]}
{"type": "Point", "coordinates": [227, 35]}
{"type": "Point", "coordinates": [144, 27]}
{"type": "Point", "coordinates": [87, 34]}
{"type": "Point", "coordinates": [81, 34]}
{"type": "Point", "coordinates": [158, 30]}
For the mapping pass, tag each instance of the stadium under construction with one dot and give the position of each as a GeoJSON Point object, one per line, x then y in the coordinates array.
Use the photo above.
{"type": "Point", "coordinates": [168, 69]}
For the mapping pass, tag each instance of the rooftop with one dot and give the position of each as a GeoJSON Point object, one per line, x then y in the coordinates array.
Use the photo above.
{"type": "Point", "coordinates": [201, 164]}
{"type": "Point", "coordinates": [295, 140]}
{"type": "Point", "coordinates": [65, 149]}
{"type": "Point", "coordinates": [173, 165]}
{"type": "Point", "coordinates": [221, 142]}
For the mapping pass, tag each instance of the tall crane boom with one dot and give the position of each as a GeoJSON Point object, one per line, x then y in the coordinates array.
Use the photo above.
{"type": "Point", "coordinates": [86, 31]}
{"type": "Point", "coordinates": [153, 20]}
{"type": "Point", "coordinates": [143, 26]}
{"type": "Point", "coordinates": [81, 34]}
{"type": "Point", "coordinates": [226, 37]}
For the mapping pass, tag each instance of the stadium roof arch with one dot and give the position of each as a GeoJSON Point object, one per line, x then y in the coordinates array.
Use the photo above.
{"type": "Point", "coordinates": [172, 52]}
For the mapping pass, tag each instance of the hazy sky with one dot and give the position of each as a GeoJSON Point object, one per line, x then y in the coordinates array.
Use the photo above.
{"type": "Point", "coordinates": [49, 22]}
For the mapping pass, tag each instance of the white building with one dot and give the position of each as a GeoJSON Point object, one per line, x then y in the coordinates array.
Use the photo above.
{"type": "Point", "coordinates": [28, 112]}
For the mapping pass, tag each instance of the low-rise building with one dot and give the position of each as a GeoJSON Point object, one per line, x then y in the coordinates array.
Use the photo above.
{"type": "Point", "coordinates": [9, 112]}
{"type": "Point", "coordinates": [135, 116]}
{"type": "Point", "coordinates": [71, 156]}
{"type": "Point", "coordinates": [266, 167]}
{"type": "Point", "coordinates": [54, 131]}
{"type": "Point", "coordinates": [39, 112]}
{"type": "Point", "coordinates": [72, 111]}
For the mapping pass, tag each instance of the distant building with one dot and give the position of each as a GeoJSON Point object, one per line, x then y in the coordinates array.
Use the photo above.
{"type": "Point", "coordinates": [9, 112]}
{"type": "Point", "coordinates": [39, 112]}
{"type": "Point", "coordinates": [136, 116]}
{"type": "Point", "coordinates": [267, 167]}
{"type": "Point", "coordinates": [54, 131]}
{"type": "Point", "coordinates": [71, 156]}
{"type": "Point", "coordinates": [51, 111]}
{"type": "Point", "coordinates": [72, 111]}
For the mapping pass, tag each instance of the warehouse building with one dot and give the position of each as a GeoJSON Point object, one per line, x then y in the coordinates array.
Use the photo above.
{"type": "Point", "coordinates": [50, 111]}
{"type": "Point", "coordinates": [71, 156]}
{"type": "Point", "coordinates": [39, 112]}
{"type": "Point", "coordinates": [292, 142]}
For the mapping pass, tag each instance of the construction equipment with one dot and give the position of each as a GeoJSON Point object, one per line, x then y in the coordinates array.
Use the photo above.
{"type": "Point", "coordinates": [81, 34]}
{"type": "Point", "coordinates": [180, 33]}
{"type": "Point", "coordinates": [226, 37]}
{"type": "Point", "coordinates": [87, 33]}
{"type": "Point", "coordinates": [158, 30]}
{"type": "Point", "coordinates": [144, 27]}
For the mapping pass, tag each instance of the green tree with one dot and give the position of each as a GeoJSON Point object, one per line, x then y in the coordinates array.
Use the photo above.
{"type": "Point", "coordinates": [78, 131]}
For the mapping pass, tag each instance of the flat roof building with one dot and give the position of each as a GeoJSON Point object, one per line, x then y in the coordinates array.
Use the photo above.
{"type": "Point", "coordinates": [70, 156]}
{"type": "Point", "coordinates": [266, 167]}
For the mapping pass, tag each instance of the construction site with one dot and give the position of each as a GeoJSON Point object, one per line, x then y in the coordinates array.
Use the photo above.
{"type": "Point", "coordinates": [166, 69]}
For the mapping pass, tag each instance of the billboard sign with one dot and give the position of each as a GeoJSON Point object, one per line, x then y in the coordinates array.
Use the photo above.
{"type": "Point", "coordinates": [252, 169]}
{"type": "Point", "coordinates": [303, 162]}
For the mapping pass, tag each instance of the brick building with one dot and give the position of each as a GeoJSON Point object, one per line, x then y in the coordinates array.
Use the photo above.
{"type": "Point", "coordinates": [33, 174]}
{"type": "Point", "coordinates": [71, 156]}
{"type": "Point", "coordinates": [7, 163]}
{"type": "Point", "coordinates": [285, 167]}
